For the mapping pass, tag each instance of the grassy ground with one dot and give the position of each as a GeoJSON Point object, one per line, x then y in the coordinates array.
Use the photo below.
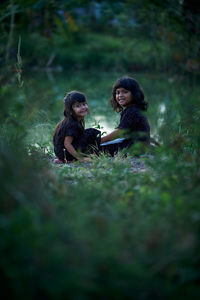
{"type": "Point", "coordinates": [99, 230]}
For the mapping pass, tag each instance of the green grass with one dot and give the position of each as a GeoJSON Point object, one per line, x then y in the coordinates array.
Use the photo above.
{"type": "Point", "coordinates": [99, 230]}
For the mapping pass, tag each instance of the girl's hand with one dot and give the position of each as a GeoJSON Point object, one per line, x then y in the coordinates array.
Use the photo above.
{"type": "Point", "coordinates": [111, 136]}
{"type": "Point", "coordinates": [85, 159]}
{"type": "Point", "coordinates": [70, 148]}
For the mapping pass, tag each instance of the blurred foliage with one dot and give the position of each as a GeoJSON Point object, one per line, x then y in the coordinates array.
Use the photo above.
{"type": "Point", "coordinates": [99, 230]}
{"type": "Point", "coordinates": [132, 35]}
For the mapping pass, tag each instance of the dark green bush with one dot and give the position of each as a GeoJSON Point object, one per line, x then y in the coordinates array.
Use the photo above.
{"type": "Point", "coordinates": [99, 230]}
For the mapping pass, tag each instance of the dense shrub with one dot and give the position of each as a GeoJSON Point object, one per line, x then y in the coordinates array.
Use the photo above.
{"type": "Point", "coordinates": [98, 230]}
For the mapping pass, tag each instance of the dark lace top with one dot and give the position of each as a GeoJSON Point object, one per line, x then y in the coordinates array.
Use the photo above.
{"type": "Point", "coordinates": [136, 124]}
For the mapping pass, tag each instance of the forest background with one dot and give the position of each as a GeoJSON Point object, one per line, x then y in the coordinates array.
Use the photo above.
{"type": "Point", "coordinates": [99, 230]}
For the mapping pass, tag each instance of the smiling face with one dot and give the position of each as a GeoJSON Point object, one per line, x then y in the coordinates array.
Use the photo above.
{"type": "Point", "coordinates": [80, 109]}
{"type": "Point", "coordinates": [124, 97]}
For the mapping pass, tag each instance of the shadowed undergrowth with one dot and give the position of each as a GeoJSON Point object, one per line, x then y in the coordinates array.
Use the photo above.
{"type": "Point", "coordinates": [99, 229]}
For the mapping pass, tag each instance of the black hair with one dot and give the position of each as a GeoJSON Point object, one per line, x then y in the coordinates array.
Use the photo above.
{"type": "Point", "coordinates": [133, 86]}
{"type": "Point", "coordinates": [69, 100]}
{"type": "Point", "coordinates": [69, 115]}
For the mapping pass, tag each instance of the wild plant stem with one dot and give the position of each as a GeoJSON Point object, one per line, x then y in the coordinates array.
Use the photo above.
{"type": "Point", "coordinates": [10, 37]}
{"type": "Point", "coordinates": [19, 64]}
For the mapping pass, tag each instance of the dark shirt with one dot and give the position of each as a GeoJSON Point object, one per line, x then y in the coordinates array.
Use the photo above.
{"type": "Point", "coordinates": [72, 128]}
{"type": "Point", "coordinates": [135, 122]}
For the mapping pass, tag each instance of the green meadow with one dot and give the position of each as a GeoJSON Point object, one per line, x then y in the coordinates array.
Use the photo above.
{"type": "Point", "coordinates": [104, 229]}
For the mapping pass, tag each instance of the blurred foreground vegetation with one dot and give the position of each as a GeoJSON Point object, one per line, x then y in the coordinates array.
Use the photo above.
{"type": "Point", "coordinates": [98, 230]}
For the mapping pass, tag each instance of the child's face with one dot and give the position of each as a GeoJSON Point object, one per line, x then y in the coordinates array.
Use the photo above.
{"type": "Point", "coordinates": [80, 109]}
{"type": "Point", "coordinates": [124, 97]}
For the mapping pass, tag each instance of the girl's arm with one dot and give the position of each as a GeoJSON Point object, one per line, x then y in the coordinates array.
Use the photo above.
{"type": "Point", "coordinates": [111, 136]}
{"type": "Point", "coordinates": [70, 148]}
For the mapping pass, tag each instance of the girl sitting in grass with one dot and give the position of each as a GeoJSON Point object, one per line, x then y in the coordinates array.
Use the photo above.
{"type": "Point", "coordinates": [71, 140]}
{"type": "Point", "coordinates": [127, 98]}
